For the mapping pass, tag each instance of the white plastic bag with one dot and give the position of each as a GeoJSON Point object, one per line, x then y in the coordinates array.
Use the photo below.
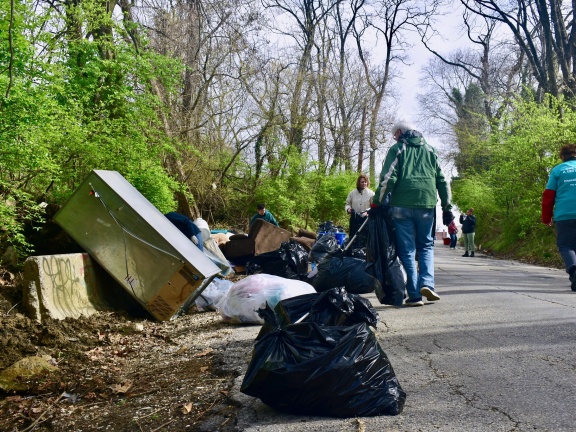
{"type": "Point", "coordinates": [245, 297]}
{"type": "Point", "coordinates": [212, 294]}
{"type": "Point", "coordinates": [203, 227]}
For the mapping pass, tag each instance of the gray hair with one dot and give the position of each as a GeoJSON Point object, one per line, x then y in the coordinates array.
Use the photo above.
{"type": "Point", "coordinates": [402, 125]}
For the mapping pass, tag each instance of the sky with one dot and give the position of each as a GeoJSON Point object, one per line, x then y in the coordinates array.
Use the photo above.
{"type": "Point", "coordinates": [408, 81]}
{"type": "Point", "coordinates": [409, 87]}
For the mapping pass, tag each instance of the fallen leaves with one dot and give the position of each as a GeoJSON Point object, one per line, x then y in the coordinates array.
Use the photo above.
{"type": "Point", "coordinates": [109, 373]}
{"type": "Point", "coordinates": [95, 354]}
{"type": "Point", "coordinates": [187, 408]}
{"type": "Point", "coordinates": [121, 388]}
{"type": "Point", "coordinates": [204, 353]}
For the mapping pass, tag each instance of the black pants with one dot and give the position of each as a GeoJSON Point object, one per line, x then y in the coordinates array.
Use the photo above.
{"type": "Point", "coordinates": [356, 222]}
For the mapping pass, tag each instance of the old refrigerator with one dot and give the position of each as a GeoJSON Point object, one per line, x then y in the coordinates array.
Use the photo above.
{"type": "Point", "coordinates": [134, 242]}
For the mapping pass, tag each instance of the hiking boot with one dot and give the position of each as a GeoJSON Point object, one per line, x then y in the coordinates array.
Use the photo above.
{"type": "Point", "coordinates": [414, 303]}
{"type": "Point", "coordinates": [429, 294]}
{"type": "Point", "coordinates": [471, 254]}
{"type": "Point", "coordinates": [466, 254]}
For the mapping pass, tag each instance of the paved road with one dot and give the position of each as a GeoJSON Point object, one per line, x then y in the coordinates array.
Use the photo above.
{"type": "Point", "coordinates": [496, 353]}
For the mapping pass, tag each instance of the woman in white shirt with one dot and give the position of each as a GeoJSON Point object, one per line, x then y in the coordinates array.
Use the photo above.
{"type": "Point", "coordinates": [358, 202]}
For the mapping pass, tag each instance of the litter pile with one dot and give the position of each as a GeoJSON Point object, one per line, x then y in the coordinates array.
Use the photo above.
{"type": "Point", "coordinates": [315, 354]}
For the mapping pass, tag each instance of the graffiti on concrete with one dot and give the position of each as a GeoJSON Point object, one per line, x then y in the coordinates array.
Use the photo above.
{"type": "Point", "coordinates": [69, 294]}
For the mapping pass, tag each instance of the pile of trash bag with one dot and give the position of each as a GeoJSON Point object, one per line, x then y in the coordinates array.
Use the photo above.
{"type": "Point", "coordinates": [290, 261]}
{"type": "Point", "coordinates": [328, 227]}
{"type": "Point", "coordinates": [327, 362]}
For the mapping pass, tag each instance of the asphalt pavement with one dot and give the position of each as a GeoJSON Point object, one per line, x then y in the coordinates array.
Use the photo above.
{"type": "Point", "coordinates": [496, 353]}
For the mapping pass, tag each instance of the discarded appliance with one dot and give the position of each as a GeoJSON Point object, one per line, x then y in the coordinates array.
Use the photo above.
{"type": "Point", "coordinates": [134, 242]}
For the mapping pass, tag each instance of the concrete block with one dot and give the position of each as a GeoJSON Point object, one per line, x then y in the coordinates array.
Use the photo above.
{"type": "Point", "coordinates": [70, 285]}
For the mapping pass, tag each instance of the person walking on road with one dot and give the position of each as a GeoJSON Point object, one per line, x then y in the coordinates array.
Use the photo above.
{"type": "Point", "coordinates": [357, 202]}
{"type": "Point", "coordinates": [560, 198]}
{"type": "Point", "coordinates": [453, 231]}
{"type": "Point", "coordinates": [412, 176]}
{"type": "Point", "coordinates": [468, 222]}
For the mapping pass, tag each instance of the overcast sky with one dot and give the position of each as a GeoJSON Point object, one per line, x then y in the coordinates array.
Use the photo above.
{"type": "Point", "coordinates": [408, 83]}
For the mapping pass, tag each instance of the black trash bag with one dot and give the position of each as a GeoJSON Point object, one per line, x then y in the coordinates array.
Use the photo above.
{"type": "Point", "coordinates": [381, 254]}
{"type": "Point", "coordinates": [347, 272]}
{"type": "Point", "coordinates": [397, 278]}
{"type": "Point", "coordinates": [359, 253]}
{"type": "Point", "coordinates": [290, 261]}
{"type": "Point", "coordinates": [332, 307]}
{"type": "Point", "coordinates": [311, 369]}
{"type": "Point", "coordinates": [297, 257]}
{"type": "Point", "coordinates": [324, 246]}
{"type": "Point", "coordinates": [286, 312]}
{"type": "Point", "coordinates": [356, 222]}
{"type": "Point", "coordinates": [326, 227]}
{"type": "Point", "coordinates": [337, 307]}
{"type": "Point", "coordinates": [273, 263]}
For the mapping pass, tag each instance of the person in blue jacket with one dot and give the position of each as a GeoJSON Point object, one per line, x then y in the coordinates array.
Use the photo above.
{"type": "Point", "coordinates": [187, 227]}
{"type": "Point", "coordinates": [263, 214]}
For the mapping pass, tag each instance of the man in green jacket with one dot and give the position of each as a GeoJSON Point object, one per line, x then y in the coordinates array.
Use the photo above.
{"type": "Point", "coordinates": [263, 214]}
{"type": "Point", "coordinates": [412, 175]}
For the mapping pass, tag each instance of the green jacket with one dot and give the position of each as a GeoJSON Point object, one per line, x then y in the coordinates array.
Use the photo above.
{"type": "Point", "coordinates": [267, 216]}
{"type": "Point", "coordinates": [412, 174]}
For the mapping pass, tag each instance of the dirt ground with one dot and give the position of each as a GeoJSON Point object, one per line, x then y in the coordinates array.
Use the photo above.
{"type": "Point", "coordinates": [115, 372]}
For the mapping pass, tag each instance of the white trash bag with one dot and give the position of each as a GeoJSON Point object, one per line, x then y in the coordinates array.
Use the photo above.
{"type": "Point", "coordinates": [212, 294]}
{"type": "Point", "coordinates": [241, 303]}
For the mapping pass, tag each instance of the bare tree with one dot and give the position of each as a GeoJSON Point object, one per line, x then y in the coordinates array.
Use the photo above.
{"type": "Point", "coordinates": [390, 20]}
{"type": "Point", "coordinates": [307, 15]}
{"type": "Point", "coordinates": [344, 28]}
{"type": "Point", "coordinates": [544, 32]}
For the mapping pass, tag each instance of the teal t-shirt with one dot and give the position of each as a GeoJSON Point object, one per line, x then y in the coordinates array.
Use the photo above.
{"type": "Point", "coordinates": [563, 181]}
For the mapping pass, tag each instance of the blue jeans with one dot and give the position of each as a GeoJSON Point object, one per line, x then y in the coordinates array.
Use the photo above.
{"type": "Point", "coordinates": [566, 241]}
{"type": "Point", "coordinates": [414, 234]}
{"type": "Point", "coordinates": [453, 240]}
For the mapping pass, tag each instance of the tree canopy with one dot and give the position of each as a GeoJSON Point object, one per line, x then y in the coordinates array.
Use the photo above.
{"type": "Point", "coordinates": [210, 106]}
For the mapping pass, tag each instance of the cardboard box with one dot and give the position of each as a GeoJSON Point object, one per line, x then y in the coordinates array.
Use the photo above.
{"type": "Point", "coordinates": [267, 237]}
{"type": "Point", "coordinates": [263, 237]}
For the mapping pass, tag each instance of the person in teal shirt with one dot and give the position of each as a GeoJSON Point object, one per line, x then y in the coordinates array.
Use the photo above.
{"type": "Point", "coordinates": [558, 200]}
{"type": "Point", "coordinates": [263, 214]}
